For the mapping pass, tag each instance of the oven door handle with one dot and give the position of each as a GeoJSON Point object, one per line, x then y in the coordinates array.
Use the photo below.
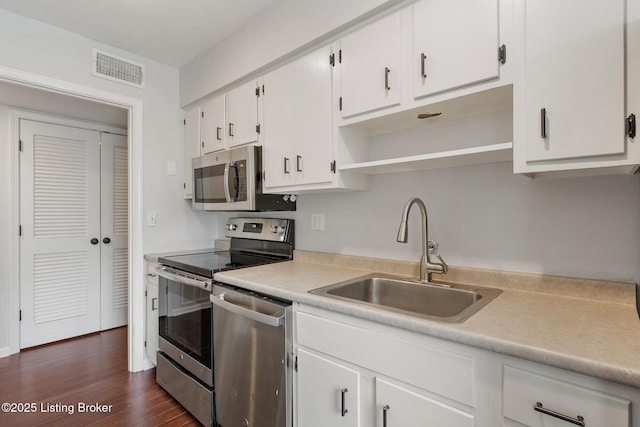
{"type": "Point", "coordinates": [222, 300]}
{"type": "Point", "coordinates": [184, 278]}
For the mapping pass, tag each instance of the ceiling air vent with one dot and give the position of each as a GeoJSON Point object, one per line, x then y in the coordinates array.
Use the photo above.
{"type": "Point", "coordinates": [118, 69]}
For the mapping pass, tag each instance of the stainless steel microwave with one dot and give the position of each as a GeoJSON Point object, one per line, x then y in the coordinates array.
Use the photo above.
{"type": "Point", "coordinates": [231, 180]}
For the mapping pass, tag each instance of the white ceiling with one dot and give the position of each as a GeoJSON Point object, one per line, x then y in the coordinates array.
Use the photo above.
{"type": "Point", "coordinates": [171, 32]}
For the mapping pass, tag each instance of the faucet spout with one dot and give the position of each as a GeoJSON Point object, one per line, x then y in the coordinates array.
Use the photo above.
{"type": "Point", "coordinates": [426, 266]}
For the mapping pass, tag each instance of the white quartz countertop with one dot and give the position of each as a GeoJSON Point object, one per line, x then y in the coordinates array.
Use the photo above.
{"type": "Point", "coordinates": [596, 337]}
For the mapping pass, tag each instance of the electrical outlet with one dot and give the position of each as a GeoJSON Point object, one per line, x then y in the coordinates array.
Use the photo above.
{"type": "Point", "coordinates": [317, 222]}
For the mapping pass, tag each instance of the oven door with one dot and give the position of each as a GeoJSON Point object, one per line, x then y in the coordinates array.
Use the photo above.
{"type": "Point", "coordinates": [225, 181]}
{"type": "Point", "coordinates": [185, 321]}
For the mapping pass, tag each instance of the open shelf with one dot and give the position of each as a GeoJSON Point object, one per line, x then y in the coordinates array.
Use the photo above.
{"type": "Point", "coordinates": [445, 159]}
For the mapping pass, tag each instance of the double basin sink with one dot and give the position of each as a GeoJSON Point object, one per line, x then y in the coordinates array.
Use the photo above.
{"type": "Point", "coordinates": [433, 301]}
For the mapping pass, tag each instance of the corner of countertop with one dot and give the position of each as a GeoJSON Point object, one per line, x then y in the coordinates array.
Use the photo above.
{"type": "Point", "coordinates": [617, 292]}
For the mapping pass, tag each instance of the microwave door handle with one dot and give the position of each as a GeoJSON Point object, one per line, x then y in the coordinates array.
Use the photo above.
{"type": "Point", "coordinates": [226, 182]}
{"type": "Point", "coordinates": [236, 181]}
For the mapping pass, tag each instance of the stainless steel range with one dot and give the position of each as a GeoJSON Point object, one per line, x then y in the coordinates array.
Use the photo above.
{"type": "Point", "coordinates": [186, 314]}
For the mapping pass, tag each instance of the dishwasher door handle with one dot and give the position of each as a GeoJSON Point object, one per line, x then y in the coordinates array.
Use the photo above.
{"type": "Point", "coordinates": [267, 319]}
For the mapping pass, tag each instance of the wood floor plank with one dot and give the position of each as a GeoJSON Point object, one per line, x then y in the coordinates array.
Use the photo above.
{"type": "Point", "coordinates": [86, 370]}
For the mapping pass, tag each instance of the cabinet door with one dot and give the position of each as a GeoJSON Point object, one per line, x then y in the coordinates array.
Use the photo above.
{"type": "Point", "coordinates": [212, 125]}
{"type": "Point", "coordinates": [370, 67]}
{"type": "Point", "coordinates": [297, 122]}
{"type": "Point", "coordinates": [455, 43]}
{"type": "Point", "coordinates": [242, 114]}
{"type": "Point", "coordinates": [328, 393]}
{"type": "Point", "coordinates": [191, 146]}
{"type": "Point", "coordinates": [574, 84]}
{"type": "Point", "coordinates": [402, 407]}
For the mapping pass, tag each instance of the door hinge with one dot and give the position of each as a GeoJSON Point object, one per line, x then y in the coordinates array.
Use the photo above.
{"type": "Point", "coordinates": [340, 56]}
{"type": "Point", "coordinates": [20, 145]}
{"type": "Point", "coordinates": [332, 59]}
{"type": "Point", "coordinates": [295, 364]}
{"type": "Point", "coordinates": [502, 54]}
{"type": "Point", "coordinates": [340, 104]}
{"type": "Point", "coordinates": [258, 92]}
{"type": "Point", "coordinates": [258, 129]}
{"type": "Point", "coordinates": [333, 166]}
{"type": "Point", "coordinates": [630, 127]}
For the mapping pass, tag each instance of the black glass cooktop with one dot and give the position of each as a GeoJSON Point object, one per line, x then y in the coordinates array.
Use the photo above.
{"type": "Point", "coordinates": [207, 263]}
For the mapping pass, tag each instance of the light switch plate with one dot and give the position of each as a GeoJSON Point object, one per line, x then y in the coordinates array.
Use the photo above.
{"type": "Point", "coordinates": [317, 222]}
{"type": "Point", "coordinates": [152, 217]}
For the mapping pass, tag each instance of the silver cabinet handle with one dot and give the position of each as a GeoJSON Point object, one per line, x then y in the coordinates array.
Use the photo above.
{"type": "Point", "coordinates": [154, 301]}
{"type": "Point", "coordinates": [343, 392]}
{"type": "Point", "coordinates": [579, 420]}
{"type": "Point", "coordinates": [218, 137]}
{"type": "Point", "coordinates": [298, 159]}
{"type": "Point", "coordinates": [230, 129]}
{"type": "Point", "coordinates": [385, 409]}
{"type": "Point", "coordinates": [286, 165]}
{"type": "Point", "coordinates": [386, 78]}
{"type": "Point", "coordinates": [543, 123]}
{"type": "Point", "coordinates": [423, 72]}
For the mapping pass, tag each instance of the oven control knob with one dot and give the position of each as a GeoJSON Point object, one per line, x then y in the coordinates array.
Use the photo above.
{"type": "Point", "coordinates": [231, 227]}
{"type": "Point", "coordinates": [280, 230]}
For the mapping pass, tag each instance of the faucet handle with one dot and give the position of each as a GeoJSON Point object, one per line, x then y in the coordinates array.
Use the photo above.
{"type": "Point", "coordinates": [442, 264]}
{"type": "Point", "coordinates": [437, 267]}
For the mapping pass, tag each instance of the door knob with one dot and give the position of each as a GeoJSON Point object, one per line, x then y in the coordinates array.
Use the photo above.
{"type": "Point", "coordinates": [106, 240]}
{"type": "Point", "coordinates": [95, 241]}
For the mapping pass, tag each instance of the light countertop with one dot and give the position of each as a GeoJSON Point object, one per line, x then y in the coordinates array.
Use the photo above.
{"type": "Point", "coordinates": [585, 326]}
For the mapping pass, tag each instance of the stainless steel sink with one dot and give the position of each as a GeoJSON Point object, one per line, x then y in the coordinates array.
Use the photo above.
{"type": "Point", "coordinates": [441, 302]}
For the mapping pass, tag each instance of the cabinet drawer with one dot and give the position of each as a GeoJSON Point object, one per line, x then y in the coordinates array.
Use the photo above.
{"type": "Point", "coordinates": [525, 390]}
{"type": "Point", "coordinates": [420, 363]}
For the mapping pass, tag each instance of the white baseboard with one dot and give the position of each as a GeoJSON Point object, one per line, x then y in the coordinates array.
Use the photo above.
{"type": "Point", "coordinates": [5, 351]}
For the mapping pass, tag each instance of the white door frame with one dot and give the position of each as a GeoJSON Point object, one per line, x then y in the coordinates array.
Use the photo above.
{"type": "Point", "coordinates": [136, 357]}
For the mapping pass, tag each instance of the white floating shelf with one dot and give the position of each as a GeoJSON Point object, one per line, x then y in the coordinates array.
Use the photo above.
{"type": "Point", "coordinates": [445, 159]}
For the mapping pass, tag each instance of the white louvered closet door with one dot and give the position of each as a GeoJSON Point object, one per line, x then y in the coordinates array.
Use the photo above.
{"type": "Point", "coordinates": [60, 215]}
{"type": "Point", "coordinates": [114, 235]}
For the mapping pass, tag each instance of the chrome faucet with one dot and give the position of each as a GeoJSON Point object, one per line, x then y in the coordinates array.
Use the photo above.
{"type": "Point", "coordinates": [426, 266]}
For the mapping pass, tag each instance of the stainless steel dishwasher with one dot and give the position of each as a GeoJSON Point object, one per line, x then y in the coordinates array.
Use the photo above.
{"type": "Point", "coordinates": [252, 358]}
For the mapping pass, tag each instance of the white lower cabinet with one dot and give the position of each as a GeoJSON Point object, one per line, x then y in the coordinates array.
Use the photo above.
{"type": "Point", "coordinates": [352, 372]}
{"type": "Point", "coordinates": [397, 406]}
{"type": "Point", "coordinates": [328, 392]}
{"type": "Point", "coordinates": [151, 330]}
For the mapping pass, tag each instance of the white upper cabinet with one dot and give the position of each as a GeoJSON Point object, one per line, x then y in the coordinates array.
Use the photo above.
{"type": "Point", "coordinates": [191, 146]}
{"type": "Point", "coordinates": [297, 105]}
{"type": "Point", "coordinates": [370, 64]}
{"type": "Point", "coordinates": [574, 80]}
{"type": "Point", "coordinates": [455, 43]}
{"type": "Point", "coordinates": [213, 125]}
{"type": "Point", "coordinates": [242, 114]}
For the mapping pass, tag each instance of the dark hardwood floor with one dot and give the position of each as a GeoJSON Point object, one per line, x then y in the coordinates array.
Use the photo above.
{"type": "Point", "coordinates": [56, 380]}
